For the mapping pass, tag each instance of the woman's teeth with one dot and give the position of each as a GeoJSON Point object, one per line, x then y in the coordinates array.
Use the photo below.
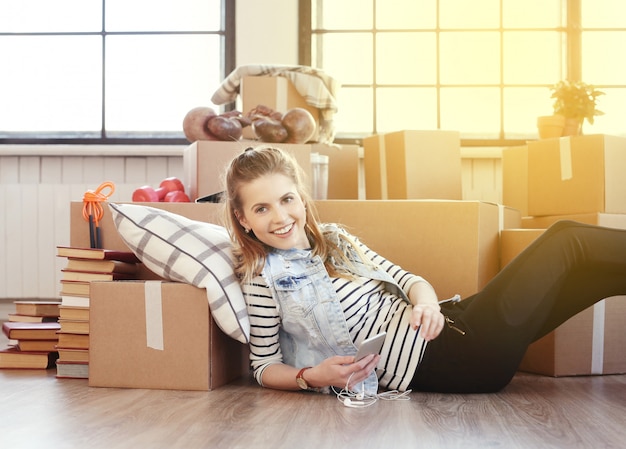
{"type": "Point", "coordinates": [283, 230]}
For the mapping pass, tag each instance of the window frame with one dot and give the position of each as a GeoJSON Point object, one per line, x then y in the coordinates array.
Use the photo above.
{"type": "Point", "coordinates": [227, 65]}
{"type": "Point", "coordinates": [573, 65]}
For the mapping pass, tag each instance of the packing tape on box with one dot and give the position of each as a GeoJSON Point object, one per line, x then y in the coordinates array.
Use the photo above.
{"type": "Point", "coordinates": [154, 314]}
{"type": "Point", "coordinates": [565, 153]}
{"type": "Point", "coordinates": [597, 345]}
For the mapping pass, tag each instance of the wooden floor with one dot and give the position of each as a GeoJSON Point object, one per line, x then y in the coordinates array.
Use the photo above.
{"type": "Point", "coordinates": [37, 410]}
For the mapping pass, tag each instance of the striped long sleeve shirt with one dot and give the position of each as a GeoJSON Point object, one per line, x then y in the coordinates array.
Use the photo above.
{"type": "Point", "coordinates": [368, 309]}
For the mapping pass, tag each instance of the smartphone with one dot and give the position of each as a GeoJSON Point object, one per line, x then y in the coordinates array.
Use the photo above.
{"type": "Point", "coordinates": [372, 345]}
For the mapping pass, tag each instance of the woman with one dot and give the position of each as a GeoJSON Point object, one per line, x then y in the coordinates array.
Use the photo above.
{"type": "Point", "coordinates": [314, 293]}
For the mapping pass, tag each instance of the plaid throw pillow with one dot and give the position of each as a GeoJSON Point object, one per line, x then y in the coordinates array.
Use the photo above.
{"type": "Point", "coordinates": [183, 250]}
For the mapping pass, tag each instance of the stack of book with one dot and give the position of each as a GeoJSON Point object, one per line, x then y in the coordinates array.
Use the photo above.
{"type": "Point", "coordinates": [35, 311]}
{"type": "Point", "coordinates": [32, 333]}
{"type": "Point", "coordinates": [83, 266]}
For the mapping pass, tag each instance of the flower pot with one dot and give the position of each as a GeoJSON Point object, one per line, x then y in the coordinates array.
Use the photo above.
{"type": "Point", "coordinates": [572, 127]}
{"type": "Point", "coordinates": [550, 126]}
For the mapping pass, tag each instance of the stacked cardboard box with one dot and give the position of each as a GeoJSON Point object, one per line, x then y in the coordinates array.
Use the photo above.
{"type": "Point", "coordinates": [79, 231]}
{"type": "Point", "coordinates": [564, 176]}
{"type": "Point", "coordinates": [515, 178]}
{"type": "Point", "coordinates": [276, 92]}
{"type": "Point", "coordinates": [413, 165]}
{"type": "Point", "coordinates": [591, 342]}
{"type": "Point", "coordinates": [460, 239]}
{"type": "Point", "coordinates": [116, 328]}
{"type": "Point", "coordinates": [453, 244]}
{"type": "Point", "coordinates": [176, 345]}
{"type": "Point", "coordinates": [577, 178]}
{"type": "Point", "coordinates": [205, 161]}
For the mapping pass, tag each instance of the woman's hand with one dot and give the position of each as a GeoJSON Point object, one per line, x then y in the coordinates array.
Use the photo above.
{"type": "Point", "coordinates": [338, 370]}
{"type": "Point", "coordinates": [426, 311]}
{"type": "Point", "coordinates": [335, 371]}
{"type": "Point", "coordinates": [429, 319]}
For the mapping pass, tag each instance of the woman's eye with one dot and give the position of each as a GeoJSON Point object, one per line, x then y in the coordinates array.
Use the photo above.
{"type": "Point", "coordinates": [260, 210]}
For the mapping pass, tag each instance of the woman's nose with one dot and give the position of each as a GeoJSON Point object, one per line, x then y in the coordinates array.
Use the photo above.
{"type": "Point", "coordinates": [279, 214]}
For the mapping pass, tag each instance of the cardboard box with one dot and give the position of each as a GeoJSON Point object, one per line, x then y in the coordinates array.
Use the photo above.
{"type": "Point", "coordinates": [161, 337]}
{"type": "Point", "coordinates": [600, 219]}
{"type": "Point", "coordinates": [343, 170]}
{"type": "Point", "coordinates": [453, 244]}
{"type": "Point", "coordinates": [111, 239]}
{"type": "Point", "coordinates": [513, 241]}
{"type": "Point", "coordinates": [375, 166]}
{"type": "Point", "coordinates": [414, 165]}
{"type": "Point", "coordinates": [576, 175]}
{"type": "Point", "coordinates": [515, 178]}
{"type": "Point", "coordinates": [276, 92]}
{"type": "Point", "coordinates": [591, 342]}
{"type": "Point", "coordinates": [460, 238]}
{"type": "Point", "coordinates": [205, 163]}
{"type": "Point", "coordinates": [79, 228]}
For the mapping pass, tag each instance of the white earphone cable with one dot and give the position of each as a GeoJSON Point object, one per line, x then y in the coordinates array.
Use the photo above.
{"type": "Point", "coordinates": [353, 399]}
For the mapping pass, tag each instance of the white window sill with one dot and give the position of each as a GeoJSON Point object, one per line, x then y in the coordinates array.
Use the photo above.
{"type": "Point", "coordinates": [91, 150]}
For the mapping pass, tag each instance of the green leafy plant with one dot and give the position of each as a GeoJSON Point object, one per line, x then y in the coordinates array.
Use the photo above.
{"type": "Point", "coordinates": [575, 99]}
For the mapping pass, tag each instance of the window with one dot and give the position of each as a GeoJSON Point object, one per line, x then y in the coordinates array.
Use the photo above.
{"type": "Point", "coordinates": [109, 70]}
{"type": "Point", "coordinates": [482, 67]}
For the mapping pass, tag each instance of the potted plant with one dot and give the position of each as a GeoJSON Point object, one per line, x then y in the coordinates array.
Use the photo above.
{"type": "Point", "coordinates": [550, 126]}
{"type": "Point", "coordinates": [576, 101]}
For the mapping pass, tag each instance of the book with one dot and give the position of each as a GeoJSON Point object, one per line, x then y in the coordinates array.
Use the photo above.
{"type": "Point", "coordinates": [87, 276]}
{"type": "Point", "coordinates": [72, 300]}
{"type": "Point", "coordinates": [73, 355]}
{"type": "Point", "coordinates": [97, 254]}
{"type": "Point", "coordinates": [74, 288]}
{"type": "Point", "coordinates": [74, 326]}
{"type": "Point", "coordinates": [73, 313]}
{"type": "Point", "coordinates": [37, 345]}
{"type": "Point", "coordinates": [12, 357]}
{"type": "Point", "coordinates": [100, 266]}
{"type": "Point", "coordinates": [72, 341]}
{"type": "Point", "coordinates": [75, 370]}
{"type": "Point", "coordinates": [31, 319]}
{"type": "Point", "coordinates": [37, 308]}
{"type": "Point", "coordinates": [30, 331]}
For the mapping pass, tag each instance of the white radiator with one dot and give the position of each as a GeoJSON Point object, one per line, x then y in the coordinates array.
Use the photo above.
{"type": "Point", "coordinates": [35, 196]}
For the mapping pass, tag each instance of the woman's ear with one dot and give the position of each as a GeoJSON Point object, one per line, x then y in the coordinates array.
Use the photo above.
{"type": "Point", "coordinates": [242, 220]}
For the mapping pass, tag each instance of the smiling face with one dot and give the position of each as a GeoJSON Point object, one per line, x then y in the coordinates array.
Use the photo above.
{"type": "Point", "coordinates": [274, 211]}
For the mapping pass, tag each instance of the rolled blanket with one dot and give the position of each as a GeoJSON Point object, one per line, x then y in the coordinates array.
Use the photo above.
{"type": "Point", "coordinates": [317, 88]}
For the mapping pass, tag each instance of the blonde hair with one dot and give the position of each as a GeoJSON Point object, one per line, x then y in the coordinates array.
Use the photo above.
{"type": "Point", "coordinates": [250, 252]}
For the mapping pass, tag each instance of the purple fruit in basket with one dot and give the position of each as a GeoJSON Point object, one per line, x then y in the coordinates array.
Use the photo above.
{"type": "Point", "coordinates": [225, 128]}
{"type": "Point", "coordinates": [269, 130]}
{"type": "Point", "coordinates": [300, 125]}
{"type": "Point", "coordinates": [194, 124]}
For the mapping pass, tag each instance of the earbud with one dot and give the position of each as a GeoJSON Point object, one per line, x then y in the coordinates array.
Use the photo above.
{"type": "Point", "coordinates": [350, 403]}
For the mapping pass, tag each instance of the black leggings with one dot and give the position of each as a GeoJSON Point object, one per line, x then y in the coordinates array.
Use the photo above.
{"type": "Point", "coordinates": [567, 269]}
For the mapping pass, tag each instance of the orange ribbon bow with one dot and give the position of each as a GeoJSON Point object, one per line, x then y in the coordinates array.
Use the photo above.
{"type": "Point", "coordinates": [93, 210]}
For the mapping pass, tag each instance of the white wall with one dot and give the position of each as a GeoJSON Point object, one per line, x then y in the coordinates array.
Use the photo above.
{"type": "Point", "coordinates": [267, 32]}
